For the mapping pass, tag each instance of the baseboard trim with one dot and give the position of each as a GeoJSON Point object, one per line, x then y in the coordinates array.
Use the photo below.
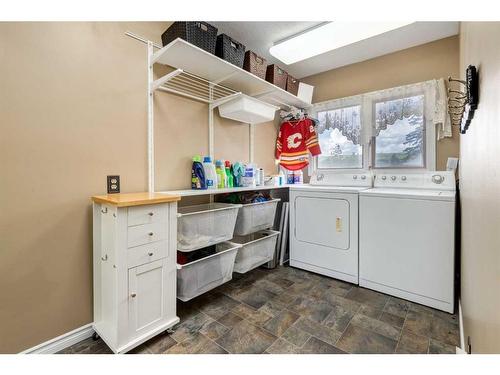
{"type": "Point", "coordinates": [62, 342]}
{"type": "Point", "coordinates": [461, 349]}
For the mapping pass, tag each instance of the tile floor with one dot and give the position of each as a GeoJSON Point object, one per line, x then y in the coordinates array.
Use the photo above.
{"type": "Point", "coordinates": [287, 310]}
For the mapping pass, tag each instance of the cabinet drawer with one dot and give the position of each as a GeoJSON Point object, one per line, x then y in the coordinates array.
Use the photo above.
{"type": "Point", "coordinates": [140, 255]}
{"type": "Point", "coordinates": [147, 233]}
{"type": "Point", "coordinates": [147, 214]}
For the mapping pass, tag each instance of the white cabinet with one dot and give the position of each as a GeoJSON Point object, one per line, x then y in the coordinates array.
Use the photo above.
{"type": "Point", "coordinates": [134, 270]}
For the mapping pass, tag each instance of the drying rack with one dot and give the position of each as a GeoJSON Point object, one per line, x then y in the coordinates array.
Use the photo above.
{"type": "Point", "coordinates": [201, 76]}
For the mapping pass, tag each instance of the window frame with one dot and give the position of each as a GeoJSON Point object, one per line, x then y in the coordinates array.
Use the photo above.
{"type": "Point", "coordinates": [337, 104]}
{"type": "Point", "coordinates": [373, 143]}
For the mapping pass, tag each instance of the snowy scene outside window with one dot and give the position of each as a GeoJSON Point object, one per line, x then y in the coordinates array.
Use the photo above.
{"type": "Point", "coordinates": [339, 138]}
{"type": "Point", "coordinates": [399, 133]}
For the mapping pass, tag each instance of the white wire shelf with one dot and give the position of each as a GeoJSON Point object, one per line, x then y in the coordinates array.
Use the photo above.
{"type": "Point", "coordinates": [198, 71]}
{"type": "Point", "coordinates": [194, 192]}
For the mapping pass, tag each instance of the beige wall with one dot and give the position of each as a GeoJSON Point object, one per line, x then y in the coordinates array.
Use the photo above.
{"type": "Point", "coordinates": [433, 60]}
{"type": "Point", "coordinates": [73, 110]}
{"type": "Point", "coordinates": [480, 191]}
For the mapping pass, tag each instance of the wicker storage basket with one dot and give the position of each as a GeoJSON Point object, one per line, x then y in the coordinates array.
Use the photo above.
{"type": "Point", "coordinates": [201, 34]}
{"type": "Point", "coordinates": [276, 76]}
{"type": "Point", "coordinates": [230, 50]}
{"type": "Point", "coordinates": [255, 64]}
{"type": "Point", "coordinates": [292, 85]}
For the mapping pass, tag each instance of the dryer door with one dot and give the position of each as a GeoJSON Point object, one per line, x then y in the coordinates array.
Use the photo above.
{"type": "Point", "coordinates": [322, 221]}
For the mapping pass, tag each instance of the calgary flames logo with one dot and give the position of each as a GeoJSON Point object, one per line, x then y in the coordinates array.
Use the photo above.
{"type": "Point", "coordinates": [293, 141]}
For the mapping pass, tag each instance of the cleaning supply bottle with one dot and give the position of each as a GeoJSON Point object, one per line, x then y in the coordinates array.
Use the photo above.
{"type": "Point", "coordinates": [298, 177]}
{"type": "Point", "coordinates": [238, 172]}
{"type": "Point", "coordinates": [229, 175]}
{"type": "Point", "coordinates": [210, 174]}
{"type": "Point", "coordinates": [197, 174]}
{"type": "Point", "coordinates": [221, 174]}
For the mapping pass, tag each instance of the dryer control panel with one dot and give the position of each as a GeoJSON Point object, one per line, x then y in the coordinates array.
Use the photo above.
{"type": "Point", "coordinates": [438, 180]}
{"type": "Point", "coordinates": [329, 178]}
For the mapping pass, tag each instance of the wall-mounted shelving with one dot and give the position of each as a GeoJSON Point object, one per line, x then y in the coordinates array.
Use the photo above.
{"type": "Point", "coordinates": [193, 192]}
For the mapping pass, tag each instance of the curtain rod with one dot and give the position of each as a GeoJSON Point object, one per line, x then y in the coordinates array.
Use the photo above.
{"type": "Point", "coordinates": [141, 39]}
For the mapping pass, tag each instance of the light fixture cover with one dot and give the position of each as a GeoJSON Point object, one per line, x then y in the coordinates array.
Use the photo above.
{"type": "Point", "coordinates": [328, 37]}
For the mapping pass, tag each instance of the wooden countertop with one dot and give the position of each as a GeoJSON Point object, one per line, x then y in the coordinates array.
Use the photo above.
{"type": "Point", "coordinates": [135, 199]}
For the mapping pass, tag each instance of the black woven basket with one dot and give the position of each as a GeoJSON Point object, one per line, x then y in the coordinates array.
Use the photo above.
{"type": "Point", "coordinates": [255, 64]}
{"type": "Point", "coordinates": [230, 50]}
{"type": "Point", "coordinates": [201, 34]}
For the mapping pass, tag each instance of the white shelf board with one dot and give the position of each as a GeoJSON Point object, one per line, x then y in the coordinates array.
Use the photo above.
{"type": "Point", "coordinates": [194, 192]}
{"type": "Point", "coordinates": [180, 54]}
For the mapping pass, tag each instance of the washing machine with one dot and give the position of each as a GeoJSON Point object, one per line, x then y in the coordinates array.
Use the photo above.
{"type": "Point", "coordinates": [324, 224]}
{"type": "Point", "coordinates": [407, 234]}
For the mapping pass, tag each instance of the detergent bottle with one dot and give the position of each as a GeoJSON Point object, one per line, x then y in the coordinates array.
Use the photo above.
{"type": "Point", "coordinates": [238, 172]}
{"type": "Point", "coordinates": [229, 175]}
{"type": "Point", "coordinates": [197, 174]}
{"type": "Point", "coordinates": [221, 174]}
{"type": "Point", "coordinates": [210, 174]}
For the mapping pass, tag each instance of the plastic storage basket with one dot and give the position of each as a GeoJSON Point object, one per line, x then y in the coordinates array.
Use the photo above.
{"type": "Point", "coordinates": [247, 110]}
{"type": "Point", "coordinates": [205, 224]}
{"type": "Point", "coordinates": [253, 217]}
{"type": "Point", "coordinates": [257, 249]}
{"type": "Point", "coordinates": [205, 274]}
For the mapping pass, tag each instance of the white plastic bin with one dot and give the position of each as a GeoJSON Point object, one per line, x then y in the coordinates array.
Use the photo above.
{"type": "Point", "coordinates": [257, 249]}
{"type": "Point", "coordinates": [253, 217]}
{"type": "Point", "coordinates": [205, 225]}
{"type": "Point", "coordinates": [205, 274]}
{"type": "Point", "coordinates": [247, 110]}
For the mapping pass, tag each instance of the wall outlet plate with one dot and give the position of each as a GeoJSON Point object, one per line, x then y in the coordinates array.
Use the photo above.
{"type": "Point", "coordinates": [113, 184]}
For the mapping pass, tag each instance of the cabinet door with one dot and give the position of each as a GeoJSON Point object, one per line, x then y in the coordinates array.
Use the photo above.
{"type": "Point", "coordinates": [149, 290]}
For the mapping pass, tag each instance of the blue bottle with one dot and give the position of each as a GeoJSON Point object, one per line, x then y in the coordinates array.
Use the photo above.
{"type": "Point", "coordinates": [198, 180]}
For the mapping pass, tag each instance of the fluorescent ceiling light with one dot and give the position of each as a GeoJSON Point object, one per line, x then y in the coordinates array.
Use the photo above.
{"type": "Point", "coordinates": [328, 37]}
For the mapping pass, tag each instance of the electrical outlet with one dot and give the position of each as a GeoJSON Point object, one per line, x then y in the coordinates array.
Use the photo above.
{"type": "Point", "coordinates": [113, 184]}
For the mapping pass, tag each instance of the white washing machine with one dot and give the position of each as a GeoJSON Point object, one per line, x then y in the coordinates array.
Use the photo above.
{"type": "Point", "coordinates": [324, 224]}
{"type": "Point", "coordinates": [407, 234]}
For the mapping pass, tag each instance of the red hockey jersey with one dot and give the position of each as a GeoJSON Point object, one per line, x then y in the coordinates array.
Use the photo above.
{"type": "Point", "coordinates": [294, 141]}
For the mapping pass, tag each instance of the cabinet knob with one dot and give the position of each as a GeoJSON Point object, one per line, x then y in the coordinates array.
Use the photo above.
{"type": "Point", "coordinates": [133, 295]}
{"type": "Point", "coordinates": [150, 233]}
{"type": "Point", "coordinates": [104, 258]}
{"type": "Point", "coordinates": [150, 254]}
{"type": "Point", "coordinates": [151, 213]}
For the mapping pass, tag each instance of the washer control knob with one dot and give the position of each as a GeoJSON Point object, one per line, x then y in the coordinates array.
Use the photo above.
{"type": "Point", "coordinates": [354, 177]}
{"type": "Point", "coordinates": [384, 178]}
{"type": "Point", "coordinates": [393, 178]}
{"type": "Point", "coordinates": [437, 178]}
{"type": "Point", "coordinates": [403, 178]}
{"type": "Point", "coordinates": [363, 177]}
{"type": "Point", "coordinates": [320, 177]}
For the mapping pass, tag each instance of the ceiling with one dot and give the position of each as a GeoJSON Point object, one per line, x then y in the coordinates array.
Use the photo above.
{"type": "Point", "coordinates": [260, 36]}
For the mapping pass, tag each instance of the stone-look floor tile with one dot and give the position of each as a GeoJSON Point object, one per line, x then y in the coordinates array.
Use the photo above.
{"type": "Point", "coordinates": [254, 316]}
{"type": "Point", "coordinates": [412, 306]}
{"type": "Point", "coordinates": [347, 304]}
{"type": "Point", "coordinates": [320, 331]}
{"type": "Point", "coordinates": [87, 346]}
{"type": "Point", "coordinates": [281, 281]}
{"type": "Point", "coordinates": [246, 338]}
{"type": "Point", "coordinates": [216, 305]}
{"type": "Point", "coordinates": [370, 311]}
{"type": "Point", "coordinates": [311, 308]}
{"type": "Point", "coordinates": [196, 344]}
{"type": "Point", "coordinates": [186, 310]}
{"type": "Point", "coordinates": [450, 318]}
{"type": "Point", "coordinates": [286, 297]}
{"type": "Point", "coordinates": [436, 347]}
{"type": "Point", "coordinates": [281, 346]}
{"type": "Point", "coordinates": [281, 322]}
{"type": "Point", "coordinates": [273, 307]}
{"type": "Point", "coordinates": [377, 326]}
{"type": "Point", "coordinates": [143, 349]}
{"type": "Point", "coordinates": [160, 344]}
{"type": "Point", "coordinates": [363, 341]}
{"type": "Point", "coordinates": [316, 346]}
{"type": "Point", "coordinates": [230, 320]}
{"type": "Point", "coordinates": [296, 336]}
{"type": "Point", "coordinates": [213, 330]}
{"type": "Point", "coordinates": [270, 286]}
{"type": "Point", "coordinates": [339, 318]}
{"type": "Point", "coordinates": [409, 343]}
{"type": "Point", "coordinates": [255, 297]}
{"type": "Point", "coordinates": [301, 286]}
{"type": "Point", "coordinates": [368, 297]}
{"type": "Point", "coordinates": [396, 306]}
{"type": "Point", "coordinates": [190, 326]}
{"type": "Point", "coordinates": [393, 320]}
{"type": "Point", "coordinates": [418, 323]}
{"type": "Point", "coordinates": [443, 331]}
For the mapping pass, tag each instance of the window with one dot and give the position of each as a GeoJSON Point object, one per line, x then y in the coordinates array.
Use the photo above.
{"type": "Point", "coordinates": [339, 134]}
{"type": "Point", "coordinates": [399, 133]}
